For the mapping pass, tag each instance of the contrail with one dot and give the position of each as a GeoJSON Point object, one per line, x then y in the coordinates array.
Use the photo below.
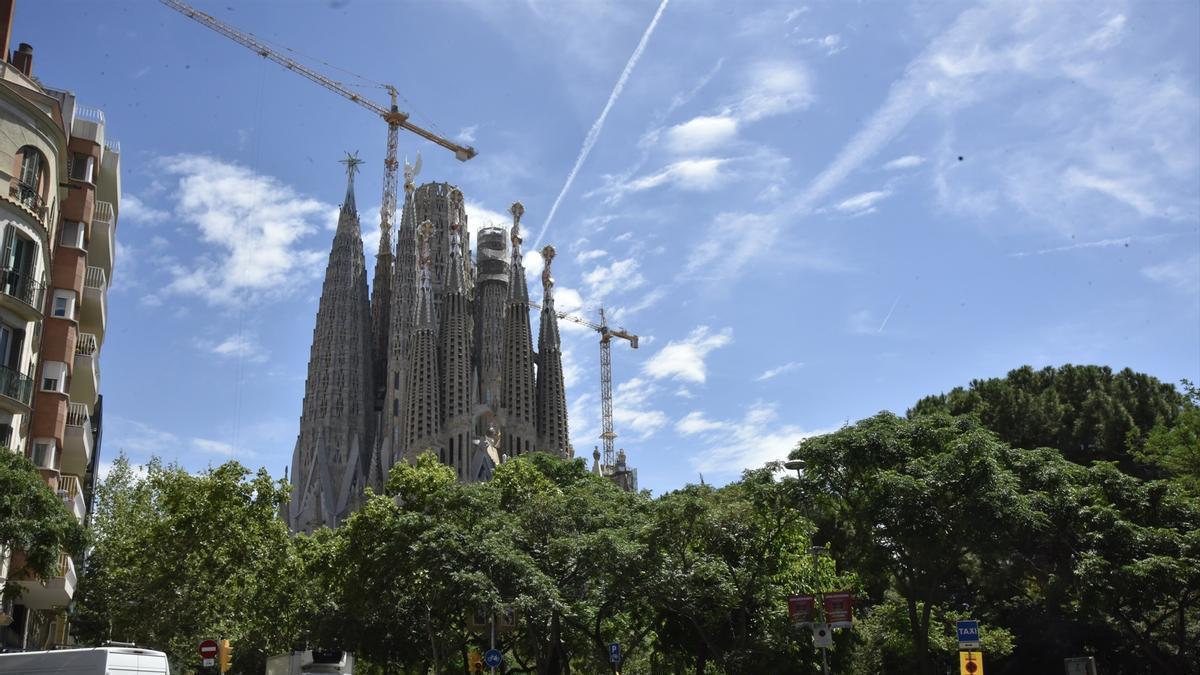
{"type": "Point", "coordinates": [889, 315]}
{"type": "Point", "coordinates": [594, 133]}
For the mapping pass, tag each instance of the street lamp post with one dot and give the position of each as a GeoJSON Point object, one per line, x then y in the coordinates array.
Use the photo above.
{"type": "Point", "coordinates": [817, 552]}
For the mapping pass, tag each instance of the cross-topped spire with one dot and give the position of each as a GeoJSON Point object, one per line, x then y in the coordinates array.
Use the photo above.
{"type": "Point", "coordinates": [352, 163]}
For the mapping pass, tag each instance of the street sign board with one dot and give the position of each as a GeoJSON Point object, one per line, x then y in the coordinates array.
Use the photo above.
{"type": "Point", "coordinates": [822, 635]}
{"type": "Point", "coordinates": [208, 663]}
{"type": "Point", "coordinates": [614, 652]}
{"type": "Point", "coordinates": [800, 609]}
{"type": "Point", "coordinates": [968, 635]}
{"type": "Point", "coordinates": [493, 658]}
{"type": "Point", "coordinates": [838, 609]}
{"type": "Point", "coordinates": [208, 649]}
{"type": "Point", "coordinates": [970, 663]}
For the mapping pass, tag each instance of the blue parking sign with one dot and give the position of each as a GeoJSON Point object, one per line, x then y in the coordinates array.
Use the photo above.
{"type": "Point", "coordinates": [614, 652]}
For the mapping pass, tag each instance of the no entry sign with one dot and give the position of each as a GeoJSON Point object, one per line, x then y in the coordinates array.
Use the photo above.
{"type": "Point", "coordinates": [208, 649]}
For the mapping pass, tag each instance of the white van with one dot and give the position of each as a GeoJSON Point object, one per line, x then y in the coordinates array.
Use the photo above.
{"type": "Point", "coordinates": [311, 662]}
{"type": "Point", "coordinates": [90, 661]}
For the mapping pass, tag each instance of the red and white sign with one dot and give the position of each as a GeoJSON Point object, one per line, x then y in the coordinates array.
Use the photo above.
{"type": "Point", "coordinates": [838, 610]}
{"type": "Point", "coordinates": [800, 608]}
{"type": "Point", "coordinates": [208, 649]}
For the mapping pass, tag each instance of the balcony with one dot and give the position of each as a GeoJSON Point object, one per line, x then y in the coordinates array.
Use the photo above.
{"type": "Point", "coordinates": [22, 294]}
{"type": "Point", "coordinates": [57, 591]}
{"type": "Point", "coordinates": [85, 382]}
{"type": "Point", "coordinates": [16, 391]}
{"type": "Point", "coordinates": [72, 496]}
{"type": "Point", "coordinates": [88, 124]}
{"type": "Point", "coordinates": [77, 441]}
{"type": "Point", "coordinates": [94, 314]}
{"type": "Point", "coordinates": [28, 197]}
{"type": "Point", "coordinates": [100, 247]}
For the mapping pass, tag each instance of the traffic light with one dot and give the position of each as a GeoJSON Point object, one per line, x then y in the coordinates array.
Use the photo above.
{"type": "Point", "coordinates": [224, 655]}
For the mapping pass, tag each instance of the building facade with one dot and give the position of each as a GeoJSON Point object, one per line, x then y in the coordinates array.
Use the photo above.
{"type": "Point", "coordinates": [58, 217]}
{"type": "Point", "coordinates": [456, 373]}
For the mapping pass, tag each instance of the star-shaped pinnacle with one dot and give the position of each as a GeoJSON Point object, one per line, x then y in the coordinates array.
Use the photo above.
{"type": "Point", "coordinates": [352, 163]}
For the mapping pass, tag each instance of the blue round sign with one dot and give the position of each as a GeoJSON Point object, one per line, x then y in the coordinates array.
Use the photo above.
{"type": "Point", "coordinates": [493, 658]}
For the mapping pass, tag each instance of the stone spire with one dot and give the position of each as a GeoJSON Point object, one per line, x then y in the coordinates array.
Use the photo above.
{"type": "Point", "coordinates": [334, 443]}
{"type": "Point", "coordinates": [404, 299]}
{"type": "Point", "coordinates": [456, 338]}
{"type": "Point", "coordinates": [518, 394]}
{"type": "Point", "coordinates": [423, 406]}
{"type": "Point", "coordinates": [381, 305]}
{"type": "Point", "coordinates": [551, 392]}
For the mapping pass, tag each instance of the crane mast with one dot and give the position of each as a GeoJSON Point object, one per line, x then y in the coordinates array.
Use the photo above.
{"type": "Point", "coordinates": [392, 115]}
{"type": "Point", "coordinates": [607, 433]}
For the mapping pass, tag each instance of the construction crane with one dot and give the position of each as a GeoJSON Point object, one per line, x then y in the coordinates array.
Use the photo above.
{"type": "Point", "coordinates": [606, 396]}
{"type": "Point", "coordinates": [395, 118]}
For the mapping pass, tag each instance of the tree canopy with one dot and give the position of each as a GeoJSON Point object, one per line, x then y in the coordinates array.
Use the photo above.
{"type": "Point", "coordinates": [33, 521]}
{"type": "Point", "coordinates": [1057, 507]}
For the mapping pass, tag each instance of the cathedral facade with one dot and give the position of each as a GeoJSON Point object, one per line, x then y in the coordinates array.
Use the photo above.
{"type": "Point", "coordinates": [439, 358]}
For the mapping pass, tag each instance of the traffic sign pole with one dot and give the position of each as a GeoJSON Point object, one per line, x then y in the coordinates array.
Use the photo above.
{"type": "Point", "coordinates": [816, 552]}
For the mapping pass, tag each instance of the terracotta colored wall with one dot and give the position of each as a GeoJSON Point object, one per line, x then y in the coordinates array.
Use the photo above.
{"type": "Point", "coordinates": [50, 418]}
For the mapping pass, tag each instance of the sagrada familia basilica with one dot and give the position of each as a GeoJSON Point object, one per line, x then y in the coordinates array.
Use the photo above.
{"type": "Point", "coordinates": [439, 358]}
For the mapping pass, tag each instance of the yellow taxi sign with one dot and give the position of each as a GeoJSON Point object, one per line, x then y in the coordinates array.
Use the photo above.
{"type": "Point", "coordinates": [970, 663]}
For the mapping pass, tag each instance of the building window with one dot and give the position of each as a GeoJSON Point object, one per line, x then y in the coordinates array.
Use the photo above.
{"type": "Point", "coordinates": [12, 343]}
{"type": "Point", "coordinates": [28, 186]}
{"type": "Point", "coordinates": [82, 167]}
{"type": "Point", "coordinates": [72, 235]}
{"type": "Point", "coordinates": [43, 453]}
{"type": "Point", "coordinates": [54, 376]}
{"type": "Point", "coordinates": [64, 304]}
{"type": "Point", "coordinates": [5, 435]}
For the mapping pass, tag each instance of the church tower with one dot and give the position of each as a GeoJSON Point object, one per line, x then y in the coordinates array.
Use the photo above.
{"type": "Point", "coordinates": [334, 442]}
{"type": "Point", "coordinates": [551, 393]}
{"type": "Point", "coordinates": [518, 394]}
{"type": "Point", "coordinates": [457, 336]}
{"type": "Point", "coordinates": [423, 410]}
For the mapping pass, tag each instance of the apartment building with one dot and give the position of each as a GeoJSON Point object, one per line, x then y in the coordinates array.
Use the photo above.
{"type": "Point", "coordinates": [58, 217]}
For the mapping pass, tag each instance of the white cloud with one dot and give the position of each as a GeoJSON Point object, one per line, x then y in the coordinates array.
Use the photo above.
{"type": "Point", "coordinates": [128, 435]}
{"type": "Point", "coordinates": [905, 162]}
{"type": "Point", "coordinates": [684, 359]}
{"type": "Point", "coordinates": [750, 442]}
{"type": "Point", "coordinates": [619, 276]}
{"type": "Point", "coordinates": [467, 134]}
{"type": "Point", "coordinates": [242, 347]}
{"type": "Point", "coordinates": [213, 447]}
{"type": "Point", "coordinates": [695, 423]}
{"type": "Point", "coordinates": [702, 134]}
{"type": "Point", "coordinates": [778, 370]}
{"type": "Point", "coordinates": [587, 256]}
{"type": "Point", "coordinates": [250, 225]}
{"type": "Point", "coordinates": [864, 203]}
{"type": "Point", "coordinates": [1121, 190]}
{"type": "Point", "coordinates": [633, 410]}
{"type": "Point", "coordinates": [774, 88]}
{"type": "Point", "coordinates": [135, 210]}
{"type": "Point", "coordinates": [1181, 274]}
{"type": "Point", "coordinates": [830, 44]}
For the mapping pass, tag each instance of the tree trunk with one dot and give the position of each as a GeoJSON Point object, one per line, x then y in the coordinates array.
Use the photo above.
{"type": "Point", "coordinates": [920, 635]}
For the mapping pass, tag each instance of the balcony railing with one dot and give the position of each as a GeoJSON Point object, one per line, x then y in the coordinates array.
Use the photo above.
{"type": "Point", "coordinates": [28, 196]}
{"type": "Point", "coordinates": [102, 211]}
{"type": "Point", "coordinates": [94, 278]}
{"type": "Point", "coordinates": [86, 344]}
{"type": "Point", "coordinates": [77, 415]}
{"type": "Point", "coordinates": [113, 145]}
{"type": "Point", "coordinates": [15, 385]}
{"type": "Point", "coordinates": [23, 287]}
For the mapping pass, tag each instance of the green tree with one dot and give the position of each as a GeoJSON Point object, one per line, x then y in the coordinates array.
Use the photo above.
{"type": "Point", "coordinates": [34, 523]}
{"type": "Point", "coordinates": [1175, 446]}
{"type": "Point", "coordinates": [916, 505]}
{"type": "Point", "coordinates": [725, 561]}
{"type": "Point", "coordinates": [1085, 412]}
{"type": "Point", "coordinates": [180, 557]}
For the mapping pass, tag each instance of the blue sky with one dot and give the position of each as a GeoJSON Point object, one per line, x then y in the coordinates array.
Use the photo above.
{"type": "Point", "coordinates": [809, 212]}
